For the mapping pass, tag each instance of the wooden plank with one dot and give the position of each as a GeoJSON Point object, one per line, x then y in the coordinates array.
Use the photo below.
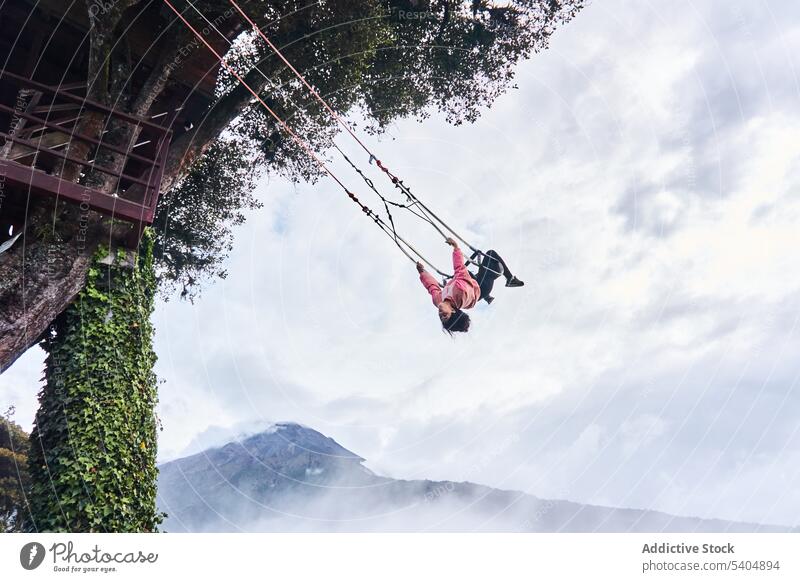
{"type": "Point", "coordinates": [102, 169]}
{"type": "Point", "coordinates": [63, 124]}
{"type": "Point", "coordinates": [78, 136]}
{"type": "Point", "coordinates": [49, 141]}
{"type": "Point", "coordinates": [21, 122]}
{"type": "Point", "coordinates": [25, 82]}
{"type": "Point", "coordinates": [56, 108]}
{"type": "Point", "coordinates": [43, 184]}
{"type": "Point", "coordinates": [153, 202]}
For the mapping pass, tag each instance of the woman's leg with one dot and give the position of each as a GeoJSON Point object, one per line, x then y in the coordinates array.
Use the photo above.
{"type": "Point", "coordinates": [491, 267]}
{"type": "Point", "coordinates": [485, 281]}
{"type": "Point", "coordinates": [493, 258]}
{"type": "Point", "coordinates": [511, 280]}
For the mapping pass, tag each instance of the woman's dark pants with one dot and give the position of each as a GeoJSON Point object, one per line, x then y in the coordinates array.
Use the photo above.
{"type": "Point", "coordinates": [491, 267]}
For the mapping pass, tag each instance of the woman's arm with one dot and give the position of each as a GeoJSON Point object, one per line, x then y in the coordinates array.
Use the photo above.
{"type": "Point", "coordinates": [431, 285]}
{"type": "Point", "coordinates": [459, 268]}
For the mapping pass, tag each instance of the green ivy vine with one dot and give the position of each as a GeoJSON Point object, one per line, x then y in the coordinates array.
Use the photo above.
{"type": "Point", "coordinates": [93, 446]}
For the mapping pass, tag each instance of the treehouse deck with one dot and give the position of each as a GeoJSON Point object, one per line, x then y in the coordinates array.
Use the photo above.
{"type": "Point", "coordinates": [42, 135]}
{"type": "Point", "coordinates": [42, 98]}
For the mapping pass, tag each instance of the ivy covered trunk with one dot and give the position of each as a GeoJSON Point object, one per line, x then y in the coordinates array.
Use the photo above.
{"type": "Point", "coordinates": [93, 446]}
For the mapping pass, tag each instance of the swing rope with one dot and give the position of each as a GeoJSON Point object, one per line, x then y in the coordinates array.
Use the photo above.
{"type": "Point", "coordinates": [431, 216]}
{"type": "Point", "coordinates": [386, 201]}
{"type": "Point", "coordinates": [389, 231]}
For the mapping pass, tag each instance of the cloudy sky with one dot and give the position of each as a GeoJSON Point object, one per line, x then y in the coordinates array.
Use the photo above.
{"type": "Point", "coordinates": [644, 181]}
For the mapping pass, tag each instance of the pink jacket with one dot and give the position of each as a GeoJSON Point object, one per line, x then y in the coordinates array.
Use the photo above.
{"type": "Point", "coordinates": [462, 289]}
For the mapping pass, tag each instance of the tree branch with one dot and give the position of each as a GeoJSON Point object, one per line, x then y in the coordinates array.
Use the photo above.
{"type": "Point", "coordinates": [191, 145]}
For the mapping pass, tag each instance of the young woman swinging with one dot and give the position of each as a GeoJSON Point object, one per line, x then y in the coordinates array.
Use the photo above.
{"type": "Point", "coordinates": [465, 289]}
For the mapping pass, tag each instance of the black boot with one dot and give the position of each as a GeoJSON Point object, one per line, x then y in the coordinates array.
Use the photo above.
{"type": "Point", "coordinates": [514, 282]}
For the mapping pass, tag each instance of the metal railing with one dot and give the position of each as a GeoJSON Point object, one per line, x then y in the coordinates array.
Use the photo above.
{"type": "Point", "coordinates": [43, 131]}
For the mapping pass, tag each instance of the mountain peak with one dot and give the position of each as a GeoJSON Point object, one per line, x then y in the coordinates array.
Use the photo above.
{"type": "Point", "coordinates": [294, 438]}
{"type": "Point", "coordinates": [243, 478]}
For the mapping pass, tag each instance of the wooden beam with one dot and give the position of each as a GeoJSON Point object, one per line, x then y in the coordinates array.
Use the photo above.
{"type": "Point", "coordinates": [102, 169]}
{"type": "Point", "coordinates": [41, 184]}
{"type": "Point", "coordinates": [22, 120]}
{"type": "Point", "coordinates": [26, 82]}
{"type": "Point", "coordinates": [79, 136]}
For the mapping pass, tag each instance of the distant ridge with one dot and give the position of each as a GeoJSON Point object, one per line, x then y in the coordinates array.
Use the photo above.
{"type": "Point", "coordinates": [293, 478]}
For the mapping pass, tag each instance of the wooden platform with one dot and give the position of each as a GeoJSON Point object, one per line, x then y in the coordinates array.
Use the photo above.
{"type": "Point", "coordinates": [43, 126]}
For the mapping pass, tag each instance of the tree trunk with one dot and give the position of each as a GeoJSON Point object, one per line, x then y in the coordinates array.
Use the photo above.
{"type": "Point", "coordinates": [39, 277]}
{"type": "Point", "coordinates": [93, 446]}
{"type": "Point", "coordinates": [124, 134]}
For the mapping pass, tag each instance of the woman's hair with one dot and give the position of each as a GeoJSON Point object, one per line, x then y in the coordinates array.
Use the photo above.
{"type": "Point", "coordinates": [458, 321]}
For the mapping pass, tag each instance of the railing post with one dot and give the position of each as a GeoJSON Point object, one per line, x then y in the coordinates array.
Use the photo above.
{"type": "Point", "coordinates": [162, 154]}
